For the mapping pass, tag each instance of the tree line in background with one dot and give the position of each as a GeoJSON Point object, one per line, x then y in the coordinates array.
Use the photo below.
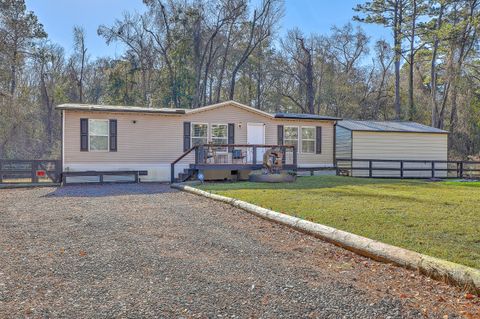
{"type": "Point", "coordinates": [187, 54]}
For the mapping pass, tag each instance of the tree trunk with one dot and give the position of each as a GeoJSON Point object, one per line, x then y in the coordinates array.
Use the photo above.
{"type": "Point", "coordinates": [433, 70]}
{"type": "Point", "coordinates": [224, 62]}
{"type": "Point", "coordinates": [398, 54]}
{"type": "Point", "coordinates": [411, 105]}
{"type": "Point", "coordinates": [13, 69]}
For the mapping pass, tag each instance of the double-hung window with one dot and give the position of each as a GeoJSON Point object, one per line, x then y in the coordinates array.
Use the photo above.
{"type": "Point", "coordinates": [219, 135]}
{"type": "Point", "coordinates": [291, 136]}
{"type": "Point", "coordinates": [199, 134]}
{"type": "Point", "coordinates": [308, 140]}
{"type": "Point", "coordinates": [98, 135]}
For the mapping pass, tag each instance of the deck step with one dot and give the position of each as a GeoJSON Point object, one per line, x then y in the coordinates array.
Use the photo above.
{"type": "Point", "coordinates": [185, 175]}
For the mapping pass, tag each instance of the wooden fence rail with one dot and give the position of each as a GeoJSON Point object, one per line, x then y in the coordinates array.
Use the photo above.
{"type": "Point", "coordinates": [30, 171]}
{"type": "Point", "coordinates": [392, 168]}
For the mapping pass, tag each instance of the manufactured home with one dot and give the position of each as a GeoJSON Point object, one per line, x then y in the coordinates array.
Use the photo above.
{"type": "Point", "coordinates": [383, 148]}
{"type": "Point", "coordinates": [223, 141]}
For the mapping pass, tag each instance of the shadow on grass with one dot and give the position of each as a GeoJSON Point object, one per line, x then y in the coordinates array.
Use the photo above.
{"type": "Point", "coordinates": [104, 190]}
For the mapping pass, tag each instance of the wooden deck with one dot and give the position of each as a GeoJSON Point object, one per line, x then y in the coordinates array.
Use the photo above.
{"type": "Point", "coordinates": [232, 157]}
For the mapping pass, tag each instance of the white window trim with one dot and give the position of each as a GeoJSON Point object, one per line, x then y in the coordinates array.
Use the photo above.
{"type": "Point", "coordinates": [191, 131]}
{"type": "Point", "coordinates": [210, 138]}
{"type": "Point", "coordinates": [314, 140]}
{"type": "Point", "coordinates": [108, 135]}
{"type": "Point", "coordinates": [298, 135]}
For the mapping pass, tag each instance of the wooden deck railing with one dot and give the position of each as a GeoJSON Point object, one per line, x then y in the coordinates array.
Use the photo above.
{"type": "Point", "coordinates": [172, 165]}
{"type": "Point", "coordinates": [393, 168]}
{"type": "Point", "coordinates": [234, 156]}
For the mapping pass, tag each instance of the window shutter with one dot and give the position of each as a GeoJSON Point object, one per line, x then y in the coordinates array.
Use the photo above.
{"type": "Point", "coordinates": [280, 134]}
{"type": "Point", "coordinates": [113, 135]}
{"type": "Point", "coordinates": [318, 140]}
{"type": "Point", "coordinates": [231, 135]}
{"type": "Point", "coordinates": [83, 135]}
{"type": "Point", "coordinates": [186, 136]}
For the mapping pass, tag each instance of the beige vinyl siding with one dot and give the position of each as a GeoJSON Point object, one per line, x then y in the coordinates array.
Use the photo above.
{"type": "Point", "coordinates": [158, 139]}
{"type": "Point", "coordinates": [399, 146]}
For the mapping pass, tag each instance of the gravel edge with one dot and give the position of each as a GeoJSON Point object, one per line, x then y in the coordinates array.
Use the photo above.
{"type": "Point", "coordinates": [459, 275]}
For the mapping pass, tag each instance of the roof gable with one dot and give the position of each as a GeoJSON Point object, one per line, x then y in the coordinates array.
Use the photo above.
{"type": "Point", "coordinates": [229, 103]}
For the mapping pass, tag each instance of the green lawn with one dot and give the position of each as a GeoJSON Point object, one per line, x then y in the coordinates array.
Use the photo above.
{"type": "Point", "coordinates": [440, 219]}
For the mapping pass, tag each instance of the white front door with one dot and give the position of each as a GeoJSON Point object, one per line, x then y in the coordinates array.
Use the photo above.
{"type": "Point", "coordinates": [255, 135]}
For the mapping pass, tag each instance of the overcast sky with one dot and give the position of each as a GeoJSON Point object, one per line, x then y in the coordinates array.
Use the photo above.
{"type": "Point", "coordinates": [59, 17]}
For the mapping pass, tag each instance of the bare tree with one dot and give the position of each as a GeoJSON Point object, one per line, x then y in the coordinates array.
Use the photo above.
{"type": "Point", "coordinates": [260, 29]}
{"type": "Point", "coordinates": [78, 61]}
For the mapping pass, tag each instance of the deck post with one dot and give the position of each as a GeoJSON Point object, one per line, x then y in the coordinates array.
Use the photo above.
{"type": "Point", "coordinates": [401, 169]}
{"type": "Point", "coordinates": [1, 172]}
{"type": "Point", "coordinates": [461, 169]}
{"type": "Point", "coordinates": [370, 168]}
{"type": "Point", "coordinates": [254, 159]}
{"type": "Point", "coordinates": [172, 173]}
{"type": "Point", "coordinates": [34, 167]}
{"type": "Point", "coordinates": [433, 169]}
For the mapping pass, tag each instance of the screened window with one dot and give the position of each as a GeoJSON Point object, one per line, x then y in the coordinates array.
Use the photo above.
{"type": "Point", "coordinates": [199, 134]}
{"type": "Point", "coordinates": [291, 136]}
{"type": "Point", "coordinates": [308, 140]}
{"type": "Point", "coordinates": [98, 135]}
{"type": "Point", "coordinates": [219, 134]}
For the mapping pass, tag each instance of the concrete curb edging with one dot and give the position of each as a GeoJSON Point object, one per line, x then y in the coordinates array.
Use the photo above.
{"type": "Point", "coordinates": [465, 277]}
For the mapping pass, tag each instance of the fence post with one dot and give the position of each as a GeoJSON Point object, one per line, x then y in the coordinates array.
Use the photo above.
{"type": "Point", "coordinates": [433, 169]}
{"type": "Point", "coordinates": [34, 167]}
{"type": "Point", "coordinates": [461, 169]}
{"type": "Point", "coordinates": [58, 171]}
{"type": "Point", "coordinates": [254, 159]}
{"type": "Point", "coordinates": [401, 169]}
{"type": "Point", "coordinates": [370, 168]}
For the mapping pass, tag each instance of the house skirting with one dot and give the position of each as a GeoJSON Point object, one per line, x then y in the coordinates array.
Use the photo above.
{"type": "Point", "coordinates": [157, 172]}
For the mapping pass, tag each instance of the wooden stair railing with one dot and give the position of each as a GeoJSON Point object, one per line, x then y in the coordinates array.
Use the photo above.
{"type": "Point", "coordinates": [172, 165]}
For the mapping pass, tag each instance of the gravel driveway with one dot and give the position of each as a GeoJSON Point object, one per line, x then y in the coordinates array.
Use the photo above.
{"type": "Point", "coordinates": [148, 251]}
